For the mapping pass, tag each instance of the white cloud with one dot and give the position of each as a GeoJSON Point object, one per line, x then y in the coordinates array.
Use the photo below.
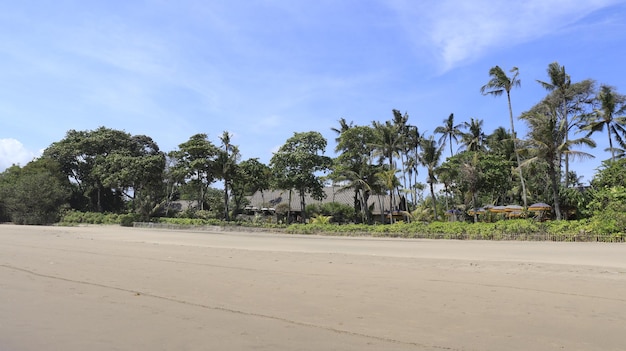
{"type": "Point", "coordinates": [458, 31]}
{"type": "Point", "coordinates": [13, 152]}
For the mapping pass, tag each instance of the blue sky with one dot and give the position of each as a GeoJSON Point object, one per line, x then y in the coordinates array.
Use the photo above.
{"type": "Point", "coordinates": [263, 70]}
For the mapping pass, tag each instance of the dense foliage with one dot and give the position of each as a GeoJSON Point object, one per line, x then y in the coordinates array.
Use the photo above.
{"type": "Point", "coordinates": [110, 176]}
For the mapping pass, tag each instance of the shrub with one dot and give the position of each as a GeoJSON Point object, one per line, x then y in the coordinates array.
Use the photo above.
{"type": "Point", "coordinates": [128, 220]}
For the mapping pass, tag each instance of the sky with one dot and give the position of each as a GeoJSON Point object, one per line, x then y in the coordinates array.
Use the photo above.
{"type": "Point", "coordinates": [265, 69]}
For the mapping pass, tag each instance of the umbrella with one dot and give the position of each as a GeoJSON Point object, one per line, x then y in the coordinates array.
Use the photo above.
{"type": "Point", "coordinates": [514, 214]}
{"type": "Point", "coordinates": [540, 206]}
{"type": "Point", "coordinates": [497, 209]}
{"type": "Point", "coordinates": [513, 208]}
{"type": "Point", "coordinates": [476, 211]}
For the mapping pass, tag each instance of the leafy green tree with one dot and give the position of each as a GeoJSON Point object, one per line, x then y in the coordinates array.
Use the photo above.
{"type": "Point", "coordinates": [196, 159]}
{"type": "Point", "coordinates": [610, 114]}
{"type": "Point", "coordinates": [500, 142]}
{"type": "Point", "coordinates": [499, 84]}
{"type": "Point", "coordinates": [137, 172]}
{"type": "Point", "coordinates": [34, 194]}
{"type": "Point", "coordinates": [449, 131]}
{"type": "Point", "coordinates": [95, 161]}
{"type": "Point", "coordinates": [353, 166]}
{"type": "Point", "coordinates": [252, 176]}
{"type": "Point", "coordinates": [173, 180]}
{"type": "Point", "coordinates": [610, 174]}
{"type": "Point", "coordinates": [296, 163]}
{"type": "Point", "coordinates": [479, 177]}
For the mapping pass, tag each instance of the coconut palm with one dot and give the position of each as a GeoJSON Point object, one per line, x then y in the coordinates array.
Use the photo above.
{"type": "Point", "coordinates": [388, 180]}
{"type": "Point", "coordinates": [499, 84]}
{"type": "Point", "coordinates": [343, 126]}
{"type": "Point", "coordinates": [547, 142]}
{"type": "Point", "coordinates": [353, 165]}
{"type": "Point", "coordinates": [226, 164]}
{"type": "Point", "coordinates": [559, 83]}
{"type": "Point", "coordinates": [449, 131]}
{"type": "Point", "coordinates": [413, 141]}
{"type": "Point", "coordinates": [612, 105]}
{"type": "Point", "coordinates": [474, 139]}
{"type": "Point", "coordinates": [429, 158]}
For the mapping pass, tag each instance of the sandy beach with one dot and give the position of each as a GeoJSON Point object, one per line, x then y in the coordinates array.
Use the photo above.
{"type": "Point", "coordinates": [115, 288]}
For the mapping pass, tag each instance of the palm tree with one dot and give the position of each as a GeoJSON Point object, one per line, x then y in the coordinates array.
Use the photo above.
{"type": "Point", "coordinates": [353, 164]}
{"type": "Point", "coordinates": [500, 142]}
{"type": "Point", "coordinates": [449, 131]}
{"type": "Point", "coordinates": [389, 181]}
{"type": "Point", "coordinates": [389, 141]}
{"type": "Point", "coordinates": [547, 141]}
{"type": "Point", "coordinates": [343, 126]}
{"type": "Point", "coordinates": [474, 139]}
{"type": "Point", "coordinates": [429, 158]}
{"type": "Point", "coordinates": [612, 105]}
{"type": "Point", "coordinates": [400, 122]}
{"type": "Point", "coordinates": [559, 83]}
{"type": "Point", "coordinates": [498, 84]}
{"type": "Point", "coordinates": [226, 164]}
{"type": "Point", "coordinates": [471, 174]}
{"type": "Point", "coordinates": [413, 141]}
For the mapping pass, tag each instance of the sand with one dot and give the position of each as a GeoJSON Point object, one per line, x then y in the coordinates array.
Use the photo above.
{"type": "Point", "coordinates": [114, 288]}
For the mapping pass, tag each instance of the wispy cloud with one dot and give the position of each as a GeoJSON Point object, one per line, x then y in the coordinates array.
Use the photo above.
{"type": "Point", "coordinates": [457, 32]}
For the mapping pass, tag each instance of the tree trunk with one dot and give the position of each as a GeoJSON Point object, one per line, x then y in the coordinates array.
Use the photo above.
{"type": "Point", "coordinates": [521, 175]}
{"type": "Point", "coordinates": [432, 194]}
{"type": "Point", "coordinates": [608, 128]}
{"type": "Point", "coordinates": [555, 191]}
{"type": "Point", "coordinates": [302, 206]}
{"type": "Point", "coordinates": [357, 209]}
{"type": "Point", "coordinates": [475, 203]}
{"type": "Point", "coordinates": [368, 216]}
{"type": "Point", "coordinates": [226, 214]}
{"type": "Point", "coordinates": [382, 210]}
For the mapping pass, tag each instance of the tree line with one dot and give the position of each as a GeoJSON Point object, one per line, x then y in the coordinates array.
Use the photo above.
{"type": "Point", "coordinates": [107, 170]}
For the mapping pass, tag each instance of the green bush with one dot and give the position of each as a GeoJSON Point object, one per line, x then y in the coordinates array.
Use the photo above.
{"type": "Point", "coordinates": [128, 220]}
{"type": "Point", "coordinates": [76, 217]}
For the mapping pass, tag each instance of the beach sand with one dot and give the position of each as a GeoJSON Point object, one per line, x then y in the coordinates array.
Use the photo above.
{"type": "Point", "coordinates": [115, 288]}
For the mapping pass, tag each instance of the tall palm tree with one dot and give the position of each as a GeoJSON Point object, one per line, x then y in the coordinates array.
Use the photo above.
{"type": "Point", "coordinates": [400, 122]}
{"type": "Point", "coordinates": [389, 142]}
{"type": "Point", "coordinates": [226, 164]}
{"type": "Point", "coordinates": [429, 158]}
{"type": "Point", "coordinates": [501, 143]}
{"type": "Point", "coordinates": [343, 126]}
{"type": "Point", "coordinates": [413, 141]}
{"type": "Point", "coordinates": [353, 164]}
{"type": "Point", "coordinates": [498, 84]}
{"type": "Point", "coordinates": [612, 105]}
{"type": "Point", "coordinates": [547, 141]}
{"type": "Point", "coordinates": [449, 131]}
{"type": "Point", "coordinates": [559, 83]}
{"type": "Point", "coordinates": [387, 178]}
{"type": "Point", "coordinates": [474, 139]}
